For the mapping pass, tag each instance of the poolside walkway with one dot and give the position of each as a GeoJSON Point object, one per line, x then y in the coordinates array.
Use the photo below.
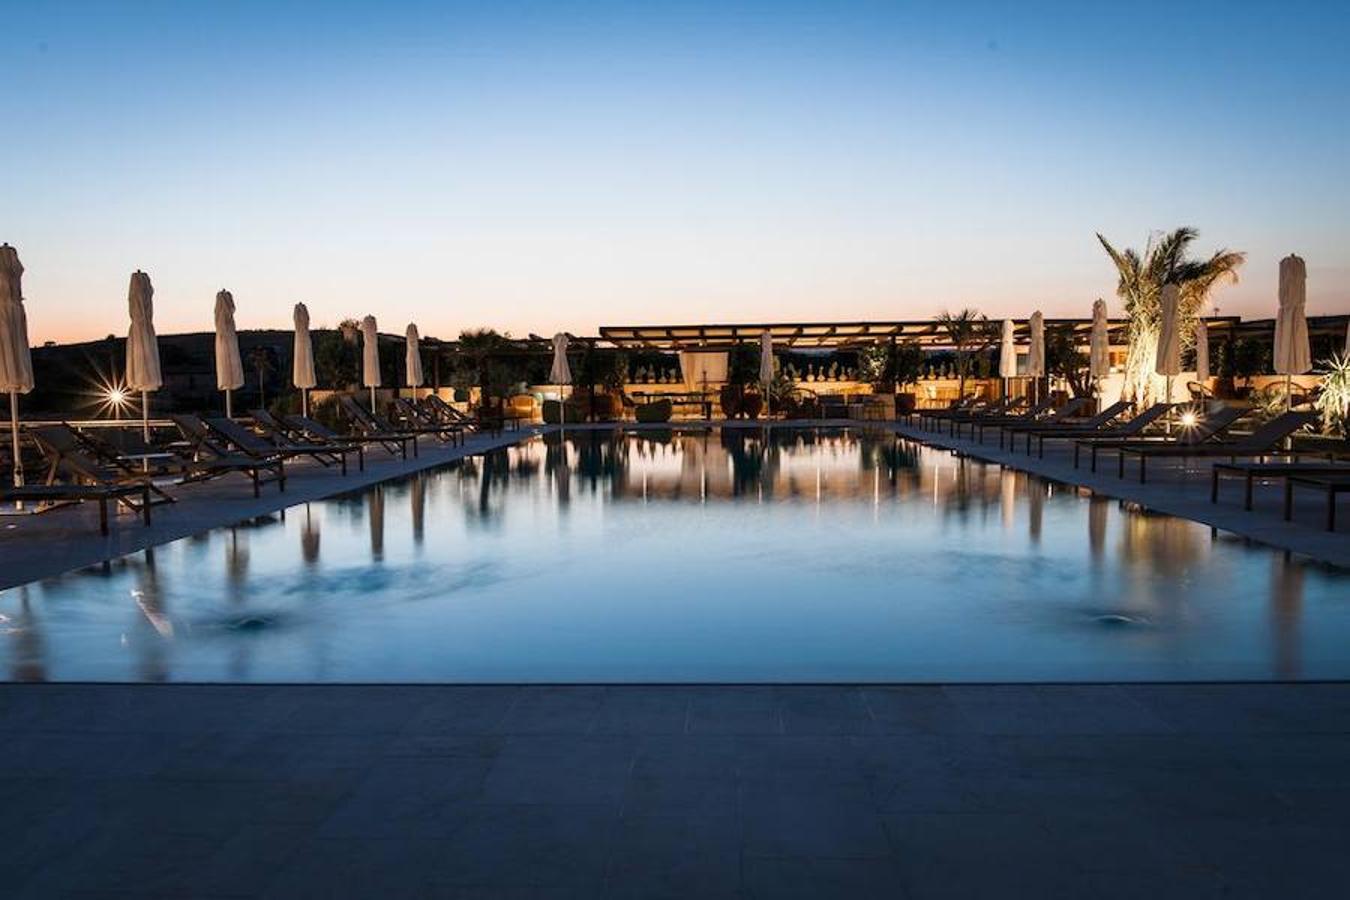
{"type": "Point", "coordinates": [47, 544]}
{"type": "Point", "coordinates": [1178, 488]}
{"type": "Point", "coordinates": [1235, 791]}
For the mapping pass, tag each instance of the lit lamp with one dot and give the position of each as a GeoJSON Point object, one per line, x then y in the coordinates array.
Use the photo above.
{"type": "Point", "coordinates": [1189, 419]}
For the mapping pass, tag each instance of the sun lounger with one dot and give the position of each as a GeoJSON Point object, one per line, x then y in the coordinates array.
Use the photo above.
{"type": "Point", "coordinates": [967, 411]}
{"type": "Point", "coordinates": [101, 494]}
{"type": "Point", "coordinates": [239, 439]}
{"type": "Point", "coordinates": [1044, 414]}
{"type": "Point", "coordinates": [414, 419]}
{"type": "Point", "coordinates": [394, 444]}
{"type": "Point", "coordinates": [89, 459]}
{"type": "Point", "coordinates": [209, 457]}
{"type": "Point", "coordinates": [325, 450]}
{"type": "Point", "coordinates": [1264, 441]}
{"type": "Point", "coordinates": [1251, 471]}
{"type": "Point", "coordinates": [1331, 485]}
{"type": "Point", "coordinates": [1089, 425]}
{"type": "Point", "coordinates": [1132, 429]}
{"type": "Point", "coordinates": [441, 411]}
{"type": "Point", "coordinates": [1207, 426]}
{"type": "Point", "coordinates": [373, 427]}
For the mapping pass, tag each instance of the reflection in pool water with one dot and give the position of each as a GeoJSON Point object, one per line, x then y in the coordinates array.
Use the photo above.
{"type": "Point", "coordinates": [806, 555]}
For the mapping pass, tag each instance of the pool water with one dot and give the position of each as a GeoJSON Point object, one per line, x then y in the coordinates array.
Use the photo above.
{"type": "Point", "coordinates": [693, 556]}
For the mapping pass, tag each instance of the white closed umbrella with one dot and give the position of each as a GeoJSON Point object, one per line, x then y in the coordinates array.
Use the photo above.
{"type": "Point", "coordinates": [302, 360]}
{"type": "Point", "coordinates": [1099, 343]}
{"type": "Point", "coordinates": [1007, 354]}
{"type": "Point", "coordinates": [1201, 351]}
{"type": "Point", "coordinates": [370, 357]}
{"type": "Point", "coordinates": [560, 373]}
{"type": "Point", "coordinates": [413, 362]}
{"type": "Point", "coordinates": [143, 373]}
{"type": "Point", "coordinates": [229, 367]}
{"type": "Point", "coordinates": [1167, 362]}
{"type": "Point", "coordinates": [766, 360]}
{"type": "Point", "coordinates": [1293, 353]}
{"type": "Point", "coordinates": [1036, 353]}
{"type": "Point", "coordinates": [16, 361]}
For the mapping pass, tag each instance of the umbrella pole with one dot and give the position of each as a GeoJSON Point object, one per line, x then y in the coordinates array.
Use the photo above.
{"type": "Point", "coordinates": [14, 436]}
{"type": "Point", "coordinates": [145, 415]}
{"type": "Point", "coordinates": [372, 398]}
{"type": "Point", "coordinates": [1169, 403]}
{"type": "Point", "coordinates": [304, 402]}
{"type": "Point", "coordinates": [229, 406]}
{"type": "Point", "coordinates": [1288, 392]}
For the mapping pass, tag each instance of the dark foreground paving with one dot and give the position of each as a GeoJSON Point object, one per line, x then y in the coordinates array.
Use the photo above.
{"type": "Point", "coordinates": [1104, 791]}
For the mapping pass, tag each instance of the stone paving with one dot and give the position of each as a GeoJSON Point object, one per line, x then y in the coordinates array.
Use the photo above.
{"type": "Point", "coordinates": [749, 792]}
{"type": "Point", "coordinates": [38, 546]}
{"type": "Point", "coordinates": [1179, 488]}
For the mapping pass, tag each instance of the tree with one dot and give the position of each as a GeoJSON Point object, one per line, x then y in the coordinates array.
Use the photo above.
{"type": "Point", "coordinates": [1164, 260]}
{"type": "Point", "coordinates": [261, 360]}
{"type": "Point", "coordinates": [1065, 360]}
{"type": "Point", "coordinates": [480, 346]}
{"type": "Point", "coordinates": [970, 333]}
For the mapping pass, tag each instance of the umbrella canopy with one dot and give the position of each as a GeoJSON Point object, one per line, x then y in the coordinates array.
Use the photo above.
{"type": "Point", "coordinates": [1007, 352]}
{"type": "Point", "coordinates": [370, 353]}
{"type": "Point", "coordinates": [16, 362]}
{"type": "Point", "coordinates": [765, 357]}
{"type": "Point", "coordinates": [1099, 345]}
{"type": "Point", "coordinates": [1036, 356]}
{"type": "Point", "coordinates": [414, 356]}
{"type": "Point", "coordinates": [1168, 360]}
{"type": "Point", "coordinates": [561, 372]}
{"type": "Point", "coordinates": [1201, 350]}
{"type": "Point", "coordinates": [229, 367]}
{"type": "Point", "coordinates": [142, 345]}
{"type": "Point", "coordinates": [302, 363]}
{"type": "Point", "coordinates": [1293, 355]}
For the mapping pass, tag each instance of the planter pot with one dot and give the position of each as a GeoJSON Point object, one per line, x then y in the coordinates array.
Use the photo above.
{"type": "Point", "coordinates": [730, 399]}
{"type": "Point", "coordinates": [905, 404]}
{"type": "Point", "coordinates": [752, 405]}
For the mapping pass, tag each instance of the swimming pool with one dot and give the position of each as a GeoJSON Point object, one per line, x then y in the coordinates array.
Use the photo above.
{"type": "Point", "coordinates": [693, 556]}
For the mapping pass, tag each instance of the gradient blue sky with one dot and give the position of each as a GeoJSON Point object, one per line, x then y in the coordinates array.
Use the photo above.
{"type": "Point", "coordinates": [566, 165]}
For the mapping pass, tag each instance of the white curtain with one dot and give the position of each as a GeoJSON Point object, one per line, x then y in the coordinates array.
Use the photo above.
{"type": "Point", "coordinates": [701, 367]}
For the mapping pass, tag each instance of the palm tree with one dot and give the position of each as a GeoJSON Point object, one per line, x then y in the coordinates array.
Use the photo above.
{"type": "Point", "coordinates": [969, 332]}
{"type": "Point", "coordinates": [1142, 276]}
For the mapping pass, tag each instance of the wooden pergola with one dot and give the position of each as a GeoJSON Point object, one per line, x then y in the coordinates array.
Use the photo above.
{"type": "Point", "coordinates": [835, 335]}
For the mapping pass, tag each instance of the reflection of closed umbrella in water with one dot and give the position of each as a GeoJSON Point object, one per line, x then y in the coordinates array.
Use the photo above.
{"type": "Point", "coordinates": [1097, 525]}
{"type": "Point", "coordinates": [309, 538]}
{"type": "Point", "coordinates": [28, 660]}
{"type": "Point", "coordinates": [236, 565]}
{"type": "Point", "coordinates": [149, 598]}
{"type": "Point", "coordinates": [1286, 608]}
{"type": "Point", "coordinates": [418, 498]}
{"type": "Point", "coordinates": [375, 500]}
{"type": "Point", "coordinates": [1035, 509]}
